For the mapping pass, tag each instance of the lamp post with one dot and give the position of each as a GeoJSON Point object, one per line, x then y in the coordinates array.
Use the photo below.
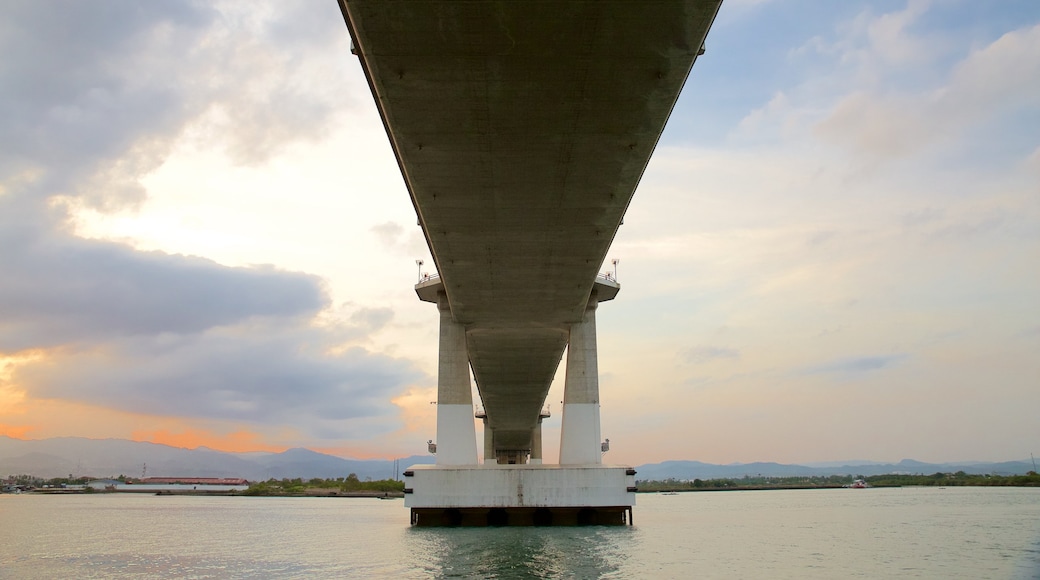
{"type": "Point", "coordinates": [615, 261]}
{"type": "Point", "coordinates": [419, 264]}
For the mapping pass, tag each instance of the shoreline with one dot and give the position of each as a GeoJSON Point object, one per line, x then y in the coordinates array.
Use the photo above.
{"type": "Point", "coordinates": [755, 488]}
{"type": "Point", "coordinates": [205, 492]}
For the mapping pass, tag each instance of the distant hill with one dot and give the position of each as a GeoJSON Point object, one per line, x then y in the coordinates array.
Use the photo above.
{"type": "Point", "coordinates": [79, 456]}
{"type": "Point", "coordinates": [698, 470]}
{"type": "Point", "coordinates": [59, 457]}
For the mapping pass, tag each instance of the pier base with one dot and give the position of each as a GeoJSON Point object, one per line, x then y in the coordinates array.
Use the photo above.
{"type": "Point", "coordinates": [519, 495]}
{"type": "Point", "coordinates": [483, 517]}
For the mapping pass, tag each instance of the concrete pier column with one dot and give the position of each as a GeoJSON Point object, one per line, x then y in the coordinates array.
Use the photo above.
{"type": "Point", "coordinates": [536, 443]}
{"type": "Point", "coordinates": [456, 435]}
{"type": "Point", "coordinates": [489, 443]}
{"type": "Point", "coordinates": [580, 434]}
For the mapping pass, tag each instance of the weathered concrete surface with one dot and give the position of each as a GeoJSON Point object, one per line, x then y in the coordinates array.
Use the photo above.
{"type": "Point", "coordinates": [518, 486]}
{"type": "Point", "coordinates": [456, 436]}
{"type": "Point", "coordinates": [522, 130]}
{"type": "Point", "coordinates": [580, 432]}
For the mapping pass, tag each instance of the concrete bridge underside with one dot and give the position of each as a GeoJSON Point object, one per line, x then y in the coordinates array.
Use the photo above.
{"type": "Point", "coordinates": [522, 130]}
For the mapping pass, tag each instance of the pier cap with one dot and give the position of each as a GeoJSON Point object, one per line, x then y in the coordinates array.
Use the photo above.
{"type": "Point", "coordinates": [431, 285]}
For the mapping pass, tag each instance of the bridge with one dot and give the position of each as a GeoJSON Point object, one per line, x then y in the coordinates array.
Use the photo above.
{"type": "Point", "coordinates": [522, 130]}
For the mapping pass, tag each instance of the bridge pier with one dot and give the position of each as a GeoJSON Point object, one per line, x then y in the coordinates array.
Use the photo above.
{"type": "Point", "coordinates": [536, 443]}
{"type": "Point", "coordinates": [519, 495]}
{"type": "Point", "coordinates": [489, 443]}
{"type": "Point", "coordinates": [513, 486]}
{"type": "Point", "coordinates": [456, 436]}
{"type": "Point", "coordinates": [580, 434]}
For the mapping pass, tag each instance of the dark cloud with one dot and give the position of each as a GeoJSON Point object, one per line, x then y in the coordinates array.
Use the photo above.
{"type": "Point", "coordinates": [59, 289]}
{"type": "Point", "coordinates": [93, 96]}
{"type": "Point", "coordinates": [72, 97]}
{"type": "Point", "coordinates": [262, 373]}
{"type": "Point", "coordinates": [94, 93]}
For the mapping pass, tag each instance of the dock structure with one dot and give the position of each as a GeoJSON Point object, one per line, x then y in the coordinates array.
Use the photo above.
{"type": "Point", "coordinates": [522, 130]}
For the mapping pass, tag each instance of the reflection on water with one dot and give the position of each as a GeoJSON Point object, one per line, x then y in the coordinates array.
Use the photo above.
{"type": "Point", "coordinates": [923, 533]}
{"type": "Point", "coordinates": [549, 552]}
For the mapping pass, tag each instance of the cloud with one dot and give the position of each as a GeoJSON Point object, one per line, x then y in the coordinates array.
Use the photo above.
{"type": "Point", "coordinates": [888, 37]}
{"type": "Point", "coordinates": [972, 226]}
{"type": "Point", "coordinates": [996, 81]}
{"type": "Point", "coordinates": [59, 290]}
{"type": "Point", "coordinates": [258, 373]}
{"type": "Point", "coordinates": [886, 86]}
{"type": "Point", "coordinates": [703, 354]}
{"type": "Point", "coordinates": [71, 97]}
{"type": "Point", "coordinates": [394, 237]}
{"type": "Point", "coordinates": [821, 238]}
{"type": "Point", "coordinates": [1033, 161]}
{"type": "Point", "coordinates": [870, 47]}
{"type": "Point", "coordinates": [779, 114]}
{"type": "Point", "coordinates": [857, 365]}
{"type": "Point", "coordinates": [96, 97]}
{"type": "Point", "coordinates": [372, 319]}
{"type": "Point", "coordinates": [95, 94]}
{"type": "Point", "coordinates": [922, 216]}
{"type": "Point", "coordinates": [171, 335]}
{"type": "Point", "coordinates": [744, 7]}
{"type": "Point", "coordinates": [388, 233]}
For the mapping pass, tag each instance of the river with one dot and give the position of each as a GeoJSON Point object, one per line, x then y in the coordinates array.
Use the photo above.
{"type": "Point", "coordinates": [875, 533]}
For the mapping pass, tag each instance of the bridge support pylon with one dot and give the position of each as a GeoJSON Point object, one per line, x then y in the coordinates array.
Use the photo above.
{"type": "Point", "coordinates": [457, 491]}
{"type": "Point", "coordinates": [456, 436]}
{"type": "Point", "coordinates": [580, 434]}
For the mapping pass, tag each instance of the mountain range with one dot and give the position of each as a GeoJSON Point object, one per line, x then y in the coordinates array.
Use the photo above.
{"type": "Point", "coordinates": [60, 457]}
{"type": "Point", "coordinates": [697, 470]}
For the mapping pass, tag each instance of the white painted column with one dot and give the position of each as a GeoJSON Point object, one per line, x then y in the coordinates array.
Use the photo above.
{"type": "Point", "coordinates": [456, 435]}
{"type": "Point", "coordinates": [580, 435]}
{"type": "Point", "coordinates": [536, 443]}
{"type": "Point", "coordinates": [489, 444]}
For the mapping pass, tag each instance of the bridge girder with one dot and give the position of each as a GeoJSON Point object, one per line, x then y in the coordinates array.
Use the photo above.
{"type": "Point", "coordinates": [522, 130]}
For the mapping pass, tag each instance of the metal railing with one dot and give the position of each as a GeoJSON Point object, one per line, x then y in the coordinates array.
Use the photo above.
{"type": "Point", "coordinates": [607, 276]}
{"type": "Point", "coordinates": [426, 277]}
{"type": "Point", "coordinates": [480, 413]}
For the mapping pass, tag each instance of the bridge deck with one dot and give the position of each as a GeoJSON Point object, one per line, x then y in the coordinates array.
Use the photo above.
{"type": "Point", "coordinates": [522, 130]}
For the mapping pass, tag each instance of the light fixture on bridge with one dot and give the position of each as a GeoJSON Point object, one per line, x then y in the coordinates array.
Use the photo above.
{"type": "Point", "coordinates": [615, 262]}
{"type": "Point", "coordinates": [419, 264]}
{"type": "Point", "coordinates": [605, 446]}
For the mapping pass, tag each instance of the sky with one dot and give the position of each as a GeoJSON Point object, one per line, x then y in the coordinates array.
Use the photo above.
{"type": "Point", "coordinates": [834, 253]}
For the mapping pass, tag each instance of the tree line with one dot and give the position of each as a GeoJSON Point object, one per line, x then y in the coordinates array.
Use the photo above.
{"type": "Point", "coordinates": [350, 483]}
{"type": "Point", "coordinates": [960, 478]}
{"type": "Point", "coordinates": [33, 481]}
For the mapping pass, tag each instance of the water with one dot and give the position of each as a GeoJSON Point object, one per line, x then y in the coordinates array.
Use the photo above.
{"type": "Point", "coordinates": [876, 533]}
